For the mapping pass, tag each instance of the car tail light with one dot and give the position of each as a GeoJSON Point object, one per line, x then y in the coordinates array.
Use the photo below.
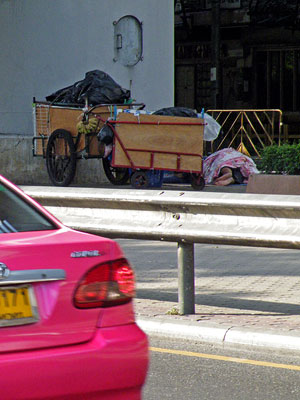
{"type": "Point", "coordinates": [106, 285]}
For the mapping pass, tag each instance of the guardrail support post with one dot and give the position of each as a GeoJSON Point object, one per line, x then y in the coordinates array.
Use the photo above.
{"type": "Point", "coordinates": [186, 280]}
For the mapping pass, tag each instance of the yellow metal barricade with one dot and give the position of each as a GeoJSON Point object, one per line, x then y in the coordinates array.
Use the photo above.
{"type": "Point", "coordinates": [248, 131]}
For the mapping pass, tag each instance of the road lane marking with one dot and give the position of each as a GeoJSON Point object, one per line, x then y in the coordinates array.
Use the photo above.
{"type": "Point", "coordinates": [224, 358]}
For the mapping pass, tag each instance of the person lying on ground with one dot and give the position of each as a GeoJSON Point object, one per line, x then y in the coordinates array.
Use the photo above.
{"type": "Point", "coordinates": [228, 166]}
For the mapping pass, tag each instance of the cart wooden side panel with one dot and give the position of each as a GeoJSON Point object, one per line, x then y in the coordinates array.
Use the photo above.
{"type": "Point", "coordinates": [48, 118]}
{"type": "Point", "coordinates": [159, 142]}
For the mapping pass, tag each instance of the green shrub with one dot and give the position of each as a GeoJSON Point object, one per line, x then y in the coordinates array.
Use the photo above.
{"type": "Point", "coordinates": [284, 159]}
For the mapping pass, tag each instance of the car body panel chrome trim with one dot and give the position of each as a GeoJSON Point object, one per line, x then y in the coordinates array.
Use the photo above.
{"type": "Point", "coordinates": [33, 275]}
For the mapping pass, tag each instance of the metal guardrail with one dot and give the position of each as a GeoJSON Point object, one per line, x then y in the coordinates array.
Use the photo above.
{"type": "Point", "coordinates": [251, 129]}
{"type": "Point", "coordinates": [183, 217]}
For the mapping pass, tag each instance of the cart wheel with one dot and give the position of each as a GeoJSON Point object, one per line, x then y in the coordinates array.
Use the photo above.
{"type": "Point", "coordinates": [197, 181]}
{"type": "Point", "coordinates": [116, 176]}
{"type": "Point", "coordinates": [139, 180]}
{"type": "Point", "coordinates": [61, 158]}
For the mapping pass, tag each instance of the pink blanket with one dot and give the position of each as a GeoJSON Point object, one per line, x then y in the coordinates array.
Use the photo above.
{"type": "Point", "coordinates": [231, 158]}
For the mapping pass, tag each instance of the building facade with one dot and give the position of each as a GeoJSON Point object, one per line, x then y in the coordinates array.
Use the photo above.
{"type": "Point", "coordinates": [49, 45]}
{"type": "Point", "coordinates": [255, 45]}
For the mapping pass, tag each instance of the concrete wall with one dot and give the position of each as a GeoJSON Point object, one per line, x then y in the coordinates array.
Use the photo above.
{"type": "Point", "coordinates": [47, 45]}
{"type": "Point", "coordinates": [18, 165]}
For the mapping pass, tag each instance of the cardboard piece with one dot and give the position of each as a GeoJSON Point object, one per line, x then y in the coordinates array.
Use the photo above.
{"type": "Point", "coordinates": [159, 142]}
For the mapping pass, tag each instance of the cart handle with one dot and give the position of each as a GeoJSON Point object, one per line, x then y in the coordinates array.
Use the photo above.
{"type": "Point", "coordinates": [140, 106]}
{"type": "Point", "coordinates": [156, 123]}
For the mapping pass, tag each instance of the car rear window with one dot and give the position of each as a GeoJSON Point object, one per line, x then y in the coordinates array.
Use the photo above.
{"type": "Point", "coordinates": [16, 215]}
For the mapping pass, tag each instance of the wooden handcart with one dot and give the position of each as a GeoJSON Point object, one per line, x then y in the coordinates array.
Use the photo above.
{"type": "Point", "coordinates": [57, 140]}
{"type": "Point", "coordinates": [142, 143]}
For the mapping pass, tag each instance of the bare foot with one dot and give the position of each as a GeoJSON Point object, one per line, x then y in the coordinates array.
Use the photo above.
{"type": "Point", "coordinates": [223, 177]}
{"type": "Point", "coordinates": [224, 182]}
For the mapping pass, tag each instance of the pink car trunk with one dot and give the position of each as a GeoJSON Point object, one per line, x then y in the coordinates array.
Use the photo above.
{"type": "Point", "coordinates": [56, 261]}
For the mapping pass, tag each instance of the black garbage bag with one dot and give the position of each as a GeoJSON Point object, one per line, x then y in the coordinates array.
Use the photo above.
{"type": "Point", "coordinates": [97, 86]}
{"type": "Point", "coordinates": [105, 135]}
{"type": "Point", "coordinates": [177, 112]}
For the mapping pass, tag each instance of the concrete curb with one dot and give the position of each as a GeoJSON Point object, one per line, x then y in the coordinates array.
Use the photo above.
{"type": "Point", "coordinates": [183, 330]}
{"type": "Point", "coordinates": [224, 336]}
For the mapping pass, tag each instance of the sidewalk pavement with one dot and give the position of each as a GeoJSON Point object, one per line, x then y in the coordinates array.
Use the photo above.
{"type": "Point", "coordinates": [221, 326]}
{"type": "Point", "coordinates": [244, 296]}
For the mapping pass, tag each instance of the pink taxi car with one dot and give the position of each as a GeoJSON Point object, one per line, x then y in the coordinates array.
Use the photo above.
{"type": "Point", "coordinates": [67, 326]}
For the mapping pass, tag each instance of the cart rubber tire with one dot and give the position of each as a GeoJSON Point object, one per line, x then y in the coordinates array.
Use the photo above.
{"type": "Point", "coordinates": [116, 176]}
{"type": "Point", "coordinates": [61, 167]}
{"type": "Point", "coordinates": [197, 181]}
{"type": "Point", "coordinates": [139, 180]}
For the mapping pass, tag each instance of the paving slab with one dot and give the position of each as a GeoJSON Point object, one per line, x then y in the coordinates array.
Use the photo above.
{"type": "Point", "coordinates": [244, 296]}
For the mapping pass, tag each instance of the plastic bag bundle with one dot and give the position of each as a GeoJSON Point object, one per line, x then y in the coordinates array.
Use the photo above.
{"type": "Point", "coordinates": [177, 112]}
{"type": "Point", "coordinates": [105, 135]}
{"type": "Point", "coordinates": [211, 129]}
{"type": "Point", "coordinates": [97, 86]}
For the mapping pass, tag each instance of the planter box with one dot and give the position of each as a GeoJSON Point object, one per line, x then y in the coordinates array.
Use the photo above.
{"type": "Point", "coordinates": [274, 184]}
